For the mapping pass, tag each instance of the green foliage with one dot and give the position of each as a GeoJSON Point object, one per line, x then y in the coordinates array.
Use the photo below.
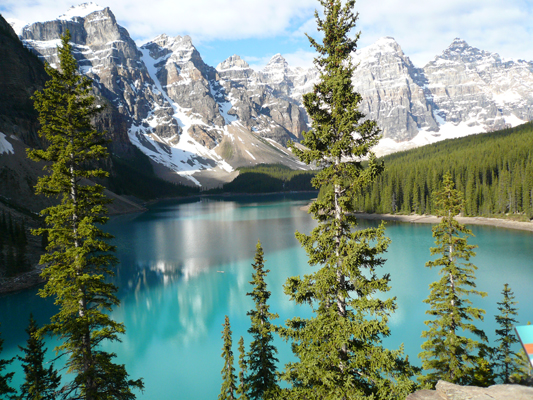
{"type": "Point", "coordinates": [269, 178]}
{"type": "Point", "coordinates": [243, 388]}
{"type": "Point", "coordinates": [507, 362]}
{"type": "Point", "coordinates": [261, 357]}
{"type": "Point", "coordinates": [78, 257]}
{"type": "Point", "coordinates": [40, 383]}
{"type": "Point", "coordinates": [339, 350]}
{"type": "Point", "coordinates": [5, 389]}
{"type": "Point", "coordinates": [493, 170]}
{"type": "Point", "coordinates": [228, 389]}
{"type": "Point", "coordinates": [447, 353]}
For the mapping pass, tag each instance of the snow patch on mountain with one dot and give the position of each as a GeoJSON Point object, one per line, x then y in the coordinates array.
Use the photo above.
{"type": "Point", "coordinates": [187, 156]}
{"type": "Point", "coordinates": [5, 146]}
{"type": "Point", "coordinates": [384, 45]}
{"type": "Point", "coordinates": [80, 11]}
{"type": "Point", "coordinates": [17, 25]}
{"type": "Point", "coordinates": [447, 130]}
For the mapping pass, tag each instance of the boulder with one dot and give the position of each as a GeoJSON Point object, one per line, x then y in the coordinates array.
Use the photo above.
{"type": "Point", "coordinates": [449, 391]}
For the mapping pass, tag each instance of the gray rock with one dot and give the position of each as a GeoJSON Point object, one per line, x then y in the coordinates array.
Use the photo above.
{"type": "Point", "coordinates": [478, 88]}
{"type": "Point", "coordinates": [449, 391]}
{"type": "Point", "coordinates": [392, 95]}
{"type": "Point", "coordinates": [106, 53]}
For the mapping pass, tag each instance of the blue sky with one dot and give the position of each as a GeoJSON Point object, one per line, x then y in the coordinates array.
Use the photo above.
{"type": "Point", "coordinates": [258, 29]}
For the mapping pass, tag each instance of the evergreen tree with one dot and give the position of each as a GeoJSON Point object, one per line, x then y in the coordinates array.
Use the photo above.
{"type": "Point", "coordinates": [5, 389]}
{"type": "Point", "coordinates": [340, 348]}
{"type": "Point", "coordinates": [449, 354]}
{"type": "Point", "coordinates": [40, 383]}
{"type": "Point", "coordinates": [243, 388]}
{"type": "Point", "coordinates": [507, 362]}
{"type": "Point", "coordinates": [228, 389]}
{"type": "Point", "coordinates": [78, 257]}
{"type": "Point", "coordinates": [261, 357]}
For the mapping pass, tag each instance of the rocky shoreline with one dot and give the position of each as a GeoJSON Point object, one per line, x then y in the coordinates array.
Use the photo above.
{"type": "Point", "coordinates": [449, 391]}
{"type": "Point", "coordinates": [431, 219]}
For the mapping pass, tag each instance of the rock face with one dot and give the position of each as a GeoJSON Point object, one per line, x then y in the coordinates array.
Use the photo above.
{"type": "Point", "coordinates": [182, 112]}
{"type": "Point", "coordinates": [267, 102]}
{"type": "Point", "coordinates": [449, 391]}
{"type": "Point", "coordinates": [392, 95]}
{"type": "Point", "coordinates": [106, 53]}
{"type": "Point", "coordinates": [478, 88]}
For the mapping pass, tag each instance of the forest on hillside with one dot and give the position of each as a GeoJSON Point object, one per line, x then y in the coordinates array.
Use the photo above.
{"type": "Point", "coordinates": [268, 178]}
{"type": "Point", "coordinates": [494, 171]}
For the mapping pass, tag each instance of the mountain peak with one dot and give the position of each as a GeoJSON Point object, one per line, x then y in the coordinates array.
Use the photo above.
{"type": "Point", "coordinates": [277, 59]}
{"type": "Point", "coordinates": [234, 61]}
{"type": "Point", "coordinates": [174, 43]}
{"type": "Point", "coordinates": [384, 46]}
{"type": "Point", "coordinates": [81, 11]}
{"type": "Point", "coordinates": [386, 40]}
{"type": "Point", "coordinates": [460, 51]}
{"type": "Point", "coordinates": [458, 43]}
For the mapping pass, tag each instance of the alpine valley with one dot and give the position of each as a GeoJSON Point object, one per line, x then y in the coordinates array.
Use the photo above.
{"type": "Point", "coordinates": [198, 123]}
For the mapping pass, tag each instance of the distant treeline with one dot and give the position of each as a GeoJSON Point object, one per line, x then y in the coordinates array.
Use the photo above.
{"type": "Point", "coordinates": [267, 178]}
{"type": "Point", "coordinates": [493, 170]}
{"type": "Point", "coordinates": [13, 243]}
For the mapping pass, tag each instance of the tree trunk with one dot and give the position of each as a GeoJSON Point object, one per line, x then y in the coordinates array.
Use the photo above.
{"type": "Point", "coordinates": [82, 307]}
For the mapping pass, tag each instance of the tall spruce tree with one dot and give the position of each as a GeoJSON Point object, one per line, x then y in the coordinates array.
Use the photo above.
{"type": "Point", "coordinates": [340, 348]}
{"type": "Point", "coordinates": [6, 391]}
{"type": "Point", "coordinates": [261, 357]}
{"type": "Point", "coordinates": [78, 257]}
{"type": "Point", "coordinates": [451, 351]}
{"type": "Point", "coordinates": [228, 388]}
{"type": "Point", "coordinates": [242, 389]}
{"type": "Point", "coordinates": [40, 383]}
{"type": "Point", "coordinates": [506, 361]}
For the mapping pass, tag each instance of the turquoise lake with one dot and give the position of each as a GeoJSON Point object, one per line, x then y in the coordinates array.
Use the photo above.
{"type": "Point", "coordinates": [185, 265]}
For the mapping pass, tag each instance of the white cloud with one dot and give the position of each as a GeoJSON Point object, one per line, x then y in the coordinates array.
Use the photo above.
{"type": "Point", "coordinates": [300, 58]}
{"type": "Point", "coordinates": [423, 28]}
{"type": "Point", "coordinates": [204, 19]}
{"type": "Point", "coordinates": [257, 63]}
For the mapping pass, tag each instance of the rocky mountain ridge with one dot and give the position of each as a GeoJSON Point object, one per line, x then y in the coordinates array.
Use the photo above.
{"type": "Point", "coordinates": [200, 123]}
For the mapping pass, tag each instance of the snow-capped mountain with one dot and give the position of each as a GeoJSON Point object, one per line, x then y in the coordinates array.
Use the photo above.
{"type": "Point", "coordinates": [201, 122]}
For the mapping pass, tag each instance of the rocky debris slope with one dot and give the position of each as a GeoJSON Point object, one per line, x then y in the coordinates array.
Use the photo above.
{"type": "Point", "coordinates": [180, 111]}
{"type": "Point", "coordinates": [449, 391]}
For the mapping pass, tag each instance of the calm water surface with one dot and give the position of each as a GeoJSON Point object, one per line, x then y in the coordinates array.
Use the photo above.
{"type": "Point", "coordinates": [184, 265]}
